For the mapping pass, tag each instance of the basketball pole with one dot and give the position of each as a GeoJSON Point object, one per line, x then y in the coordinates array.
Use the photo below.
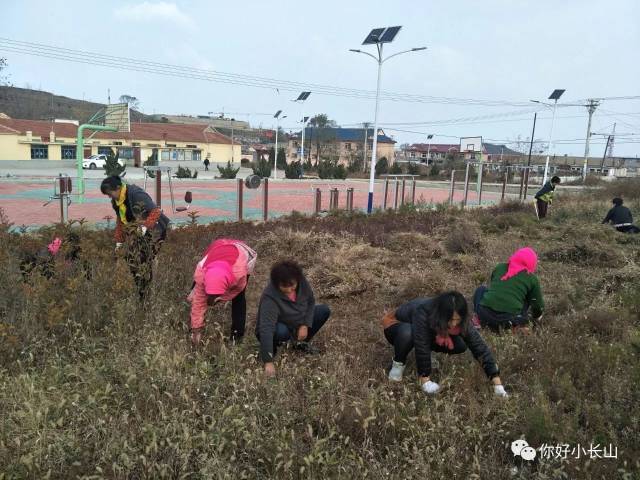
{"type": "Point", "coordinates": [80, 152]}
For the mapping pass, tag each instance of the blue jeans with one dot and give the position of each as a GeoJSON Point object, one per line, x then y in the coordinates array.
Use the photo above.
{"type": "Point", "coordinates": [497, 320]}
{"type": "Point", "coordinates": [321, 314]}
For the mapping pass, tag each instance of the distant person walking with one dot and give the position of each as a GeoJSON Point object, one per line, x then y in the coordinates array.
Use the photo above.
{"type": "Point", "coordinates": [513, 290]}
{"type": "Point", "coordinates": [140, 224]}
{"type": "Point", "coordinates": [222, 276]}
{"type": "Point", "coordinates": [544, 197]}
{"type": "Point", "coordinates": [620, 217]}
{"type": "Point", "coordinates": [206, 164]}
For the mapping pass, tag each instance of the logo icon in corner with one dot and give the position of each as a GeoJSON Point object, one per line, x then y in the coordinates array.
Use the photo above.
{"type": "Point", "coordinates": [521, 448]}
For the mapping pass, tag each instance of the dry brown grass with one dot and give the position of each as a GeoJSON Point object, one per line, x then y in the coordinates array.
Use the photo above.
{"type": "Point", "coordinates": [96, 386]}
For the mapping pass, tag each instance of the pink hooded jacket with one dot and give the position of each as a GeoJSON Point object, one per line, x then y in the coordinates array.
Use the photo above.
{"type": "Point", "coordinates": [223, 271]}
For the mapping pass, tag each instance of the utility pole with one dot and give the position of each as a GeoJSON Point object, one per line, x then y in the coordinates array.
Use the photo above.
{"type": "Point", "coordinates": [366, 139]}
{"type": "Point", "coordinates": [591, 108]}
{"type": "Point", "coordinates": [533, 134]}
{"type": "Point", "coordinates": [613, 137]}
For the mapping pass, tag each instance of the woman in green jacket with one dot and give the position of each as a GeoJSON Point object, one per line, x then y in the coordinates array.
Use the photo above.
{"type": "Point", "coordinates": [513, 289]}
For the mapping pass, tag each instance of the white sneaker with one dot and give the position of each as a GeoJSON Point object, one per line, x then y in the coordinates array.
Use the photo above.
{"type": "Point", "coordinates": [397, 369]}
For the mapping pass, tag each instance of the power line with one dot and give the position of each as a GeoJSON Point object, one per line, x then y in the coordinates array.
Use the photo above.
{"type": "Point", "coordinates": [125, 63]}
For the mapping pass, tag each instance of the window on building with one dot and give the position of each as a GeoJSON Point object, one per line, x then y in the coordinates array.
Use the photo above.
{"type": "Point", "coordinates": [192, 146]}
{"type": "Point", "coordinates": [104, 150]}
{"type": "Point", "coordinates": [347, 146]}
{"type": "Point", "coordinates": [117, 143]}
{"type": "Point", "coordinates": [165, 155]}
{"type": "Point", "coordinates": [188, 155]}
{"type": "Point", "coordinates": [171, 144]}
{"type": "Point", "coordinates": [424, 155]}
{"type": "Point", "coordinates": [39, 152]}
{"type": "Point", "coordinates": [197, 155]}
{"type": "Point", "coordinates": [68, 152]}
{"type": "Point", "coordinates": [412, 154]}
{"type": "Point", "coordinates": [126, 153]}
{"type": "Point", "coordinates": [135, 144]}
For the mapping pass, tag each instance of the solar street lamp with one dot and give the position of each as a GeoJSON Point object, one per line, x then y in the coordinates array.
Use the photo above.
{"type": "Point", "coordinates": [378, 37]}
{"type": "Point", "coordinates": [555, 96]}
{"type": "Point", "coordinates": [275, 160]}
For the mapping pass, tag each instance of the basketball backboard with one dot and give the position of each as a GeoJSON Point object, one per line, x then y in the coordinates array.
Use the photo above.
{"type": "Point", "coordinates": [117, 115]}
{"type": "Point", "coordinates": [471, 144]}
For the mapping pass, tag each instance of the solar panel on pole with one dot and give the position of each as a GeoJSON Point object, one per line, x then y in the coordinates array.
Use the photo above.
{"type": "Point", "coordinates": [373, 36]}
{"type": "Point", "coordinates": [303, 96]}
{"type": "Point", "coordinates": [389, 34]}
{"type": "Point", "coordinates": [556, 94]}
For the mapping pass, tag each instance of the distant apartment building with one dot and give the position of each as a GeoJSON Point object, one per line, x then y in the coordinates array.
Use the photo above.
{"type": "Point", "coordinates": [47, 140]}
{"type": "Point", "coordinates": [345, 145]}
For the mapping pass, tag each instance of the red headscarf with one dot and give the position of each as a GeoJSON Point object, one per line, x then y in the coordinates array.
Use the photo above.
{"type": "Point", "coordinates": [525, 259]}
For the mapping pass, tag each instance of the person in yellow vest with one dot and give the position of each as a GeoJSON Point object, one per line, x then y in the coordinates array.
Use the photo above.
{"type": "Point", "coordinates": [140, 220]}
{"type": "Point", "coordinates": [544, 197]}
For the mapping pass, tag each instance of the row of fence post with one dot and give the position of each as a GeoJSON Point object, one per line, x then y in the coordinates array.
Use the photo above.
{"type": "Point", "coordinates": [399, 193]}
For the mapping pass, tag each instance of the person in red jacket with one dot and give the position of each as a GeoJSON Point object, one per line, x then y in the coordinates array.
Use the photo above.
{"type": "Point", "coordinates": [140, 224]}
{"type": "Point", "coordinates": [222, 276]}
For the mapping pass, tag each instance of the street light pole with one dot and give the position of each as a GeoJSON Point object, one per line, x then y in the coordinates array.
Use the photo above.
{"type": "Point", "coordinates": [555, 96]}
{"type": "Point", "coordinates": [379, 38]}
{"type": "Point", "coordinates": [275, 156]}
{"type": "Point", "coordinates": [374, 149]}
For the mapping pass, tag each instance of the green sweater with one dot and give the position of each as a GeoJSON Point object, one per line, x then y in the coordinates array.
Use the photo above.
{"type": "Point", "coordinates": [510, 295]}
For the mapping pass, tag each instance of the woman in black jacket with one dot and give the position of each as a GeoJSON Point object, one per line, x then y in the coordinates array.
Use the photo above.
{"type": "Point", "coordinates": [437, 324]}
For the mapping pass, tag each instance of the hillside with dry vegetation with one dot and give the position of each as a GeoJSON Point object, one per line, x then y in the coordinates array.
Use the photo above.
{"type": "Point", "coordinates": [95, 385]}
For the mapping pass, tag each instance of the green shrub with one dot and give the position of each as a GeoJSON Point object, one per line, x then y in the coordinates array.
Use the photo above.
{"type": "Point", "coordinates": [184, 172]}
{"type": "Point", "coordinates": [395, 169]}
{"type": "Point", "coordinates": [382, 166]}
{"type": "Point", "coordinates": [413, 168]}
{"type": "Point", "coordinates": [262, 168]}
{"type": "Point", "coordinates": [229, 171]}
{"type": "Point", "coordinates": [434, 171]}
{"type": "Point", "coordinates": [293, 170]}
{"type": "Point", "coordinates": [111, 167]}
{"type": "Point", "coordinates": [152, 161]}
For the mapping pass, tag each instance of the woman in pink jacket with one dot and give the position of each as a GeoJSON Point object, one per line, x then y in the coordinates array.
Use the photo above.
{"type": "Point", "coordinates": [222, 276]}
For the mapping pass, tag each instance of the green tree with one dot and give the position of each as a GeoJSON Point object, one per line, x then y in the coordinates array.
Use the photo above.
{"type": "Point", "coordinates": [293, 170]}
{"type": "Point", "coordinates": [395, 169]}
{"type": "Point", "coordinates": [322, 134]}
{"type": "Point", "coordinates": [435, 170]}
{"type": "Point", "coordinates": [413, 168]}
{"type": "Point", "coordinates": [133, 102]}
{"type": "Point", "coordinates": [228, 172]}
{"type": "Point", "coordinates": [151, 161]}
{"type": "Point", "coordinates": [382, 166]}
{"type": "Point", "coordinates": [261, 167]}
{"type": "Point", "coordinates": [112, 167]}
{"type": "Point", "coordinates": [282, 158]}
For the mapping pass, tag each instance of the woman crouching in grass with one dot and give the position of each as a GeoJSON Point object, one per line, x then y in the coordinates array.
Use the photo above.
{"type": "Point", "coordinates": [438, 324]}
{"type": "Point", "coordinates": [287, 311]}
{"type": "Point", "coordinates": [513, 289]}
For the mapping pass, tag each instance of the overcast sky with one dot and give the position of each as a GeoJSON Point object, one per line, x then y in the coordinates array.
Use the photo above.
{"type": "Point", "coordinates": [512, 50]}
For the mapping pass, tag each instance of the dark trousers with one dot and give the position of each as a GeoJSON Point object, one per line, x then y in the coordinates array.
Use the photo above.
{"type": "Point", "coordinates": [542, 208]}
{"type": "Point", "coordinates": [497, 320]}
{"type": "Point", "coordinates": [206, 167]}
{"type": "Point", "coordinates": [140, 256]}
{"type": "Point", "coordinates": [401, 336]}
{"type": "Point", "coordinates": [238, 315]}
{"type": "Point", "coordinates": [628, 229]}
{"type": "Point", "coordinates": [282, 334]}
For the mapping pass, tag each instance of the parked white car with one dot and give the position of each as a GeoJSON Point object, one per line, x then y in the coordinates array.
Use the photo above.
{"type": "Point", "coordinates": [97, 161]}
